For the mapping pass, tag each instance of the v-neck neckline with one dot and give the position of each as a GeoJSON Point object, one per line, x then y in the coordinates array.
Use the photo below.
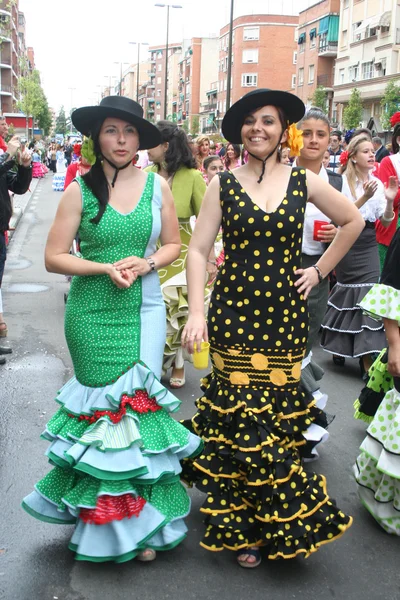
{"type": "Point", "coordinates": [137, 203]}
{"type": "Point", "coordinates": [255, 203]}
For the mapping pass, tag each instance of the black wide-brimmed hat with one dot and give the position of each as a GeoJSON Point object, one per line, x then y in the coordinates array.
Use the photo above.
{"type": "Point", "coordinates": [233, 120]}
{"type": "Point", "coordinates": [120, 107]}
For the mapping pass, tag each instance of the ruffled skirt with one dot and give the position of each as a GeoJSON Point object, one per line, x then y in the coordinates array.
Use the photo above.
{"type": "Point", "coordinates": [379, 383]}
{"type": "Point", "coordinates": [346, 330]}
{"type": "Point", "coordinates": [116, 455]}
{"type": "Point", "coordinates": [377, 469]}
{"type": "Point", "coordinates": [258, 493]}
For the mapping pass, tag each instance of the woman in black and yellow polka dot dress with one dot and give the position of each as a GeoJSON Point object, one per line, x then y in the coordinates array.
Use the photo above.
{"type": "Point", "coordinates": [252, 414]}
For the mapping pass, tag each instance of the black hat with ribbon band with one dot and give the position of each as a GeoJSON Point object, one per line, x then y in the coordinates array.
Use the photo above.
{"type": "Point", "coordinates": [232, 123]}
{"type": "Point", "coordinates": [233, 120]}
{"type": "Point", "coordinates": [120, 107]}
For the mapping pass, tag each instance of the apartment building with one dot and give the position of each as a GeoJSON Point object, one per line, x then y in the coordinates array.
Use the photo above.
{"type": "Point", "coordinates": [317, 47]}
{"type": "Point", "coordinates": [263, 53]}
{"type": "Point", "coordinates": [368, 55]}
{"type": "Point", "coordinates": [157, 76]}
{"type": "Point", "coordinates": [197, 69]}
{"type": "Point", "coordinates": [129, 79]}
{"type": "Point", "coordinates": [9, 55]}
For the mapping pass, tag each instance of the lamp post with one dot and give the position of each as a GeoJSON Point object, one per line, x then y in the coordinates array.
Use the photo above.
{"type": "Point", "coordinates": [229, 74]}
{"type": "Point", "coordinates": [109, 82]}
{"type": "Point", "coordinates": [120, 74]}
{"type": "Point", "coordinates": [71, 89]}
{"type": "Point", "coordinates": [138, 66]}
{"type": "Point", "coordinates": [166, 53]}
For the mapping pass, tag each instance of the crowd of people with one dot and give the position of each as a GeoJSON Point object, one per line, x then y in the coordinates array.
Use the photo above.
{"type": "Point", "coordinates": [286, 234]}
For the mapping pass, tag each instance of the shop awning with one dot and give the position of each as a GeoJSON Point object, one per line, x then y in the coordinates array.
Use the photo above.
{"type": "Point", "coordinates": [313, 33]}
{"type": "Point", "coordinates": [302, 38]}
{"type": "Point", "coordinates": [330, 26]}
{"type": "Point", "coordinates": [323, 25]}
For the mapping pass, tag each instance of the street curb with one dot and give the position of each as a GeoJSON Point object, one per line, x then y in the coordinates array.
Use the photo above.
{"type": "Point", "coordinates": [20, 204]}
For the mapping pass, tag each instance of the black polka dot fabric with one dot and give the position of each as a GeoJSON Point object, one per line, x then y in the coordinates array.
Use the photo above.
{"type": "Point", "coordinates": [252, 415]}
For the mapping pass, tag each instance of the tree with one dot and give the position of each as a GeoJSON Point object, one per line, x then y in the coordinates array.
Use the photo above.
{"type": "Point", "coordinates": [32, 97]}
{"type": "Point", "coordinates": [45, 118]}
{"type": "Point", "coordinates": [61, 122]}
{"type": "Point", "coordinates": [390, 103]}
{"type": "Point", "coordinates": [352, 114]}
{"type": "Point", "coordinates": [194, 129]}
{"type": "Point", "coordinates": [319, 98]}
{"type": "Point", "coordinates": [185, 126]}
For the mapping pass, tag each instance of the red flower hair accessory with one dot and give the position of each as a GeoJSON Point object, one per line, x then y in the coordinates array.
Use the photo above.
{"type": "Point", "coordinates": [344, 158]}
{"type": "Point", "coordinates": [394, 119]}
{"type": "Point", "coordinates": [77, 149]}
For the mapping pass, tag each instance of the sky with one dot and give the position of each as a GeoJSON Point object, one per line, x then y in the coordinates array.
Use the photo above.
{"type": "Point", "coordinates": [79, 44]}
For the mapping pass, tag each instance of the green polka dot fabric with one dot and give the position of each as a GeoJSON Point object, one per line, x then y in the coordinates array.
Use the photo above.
{"type": "Point", "coordinates": [382, 301]}
{"type": "Point", "coordinates": [377, 469]}
{"type": "Point", "coordinates": [102, 322]}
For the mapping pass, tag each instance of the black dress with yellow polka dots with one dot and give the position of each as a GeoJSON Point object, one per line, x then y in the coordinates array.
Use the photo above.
{"type": "Point", "coordinates": [252, 414]}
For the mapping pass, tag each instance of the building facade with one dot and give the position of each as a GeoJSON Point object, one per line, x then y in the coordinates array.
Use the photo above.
{"type": "Point", "coordinates": [263, 51]}
{"type": "Point", "coordinates": [9, 55]}
{"type": "Point", "coordinates": [157, 76]}
{"type": "Point", "coordinates": [368, 55]}
{"type": "Point", "coordinates": [317, 47]}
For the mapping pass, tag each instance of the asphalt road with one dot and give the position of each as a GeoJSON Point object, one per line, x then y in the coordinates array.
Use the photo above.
{"type": "Point", "coordinates": [35, 563]}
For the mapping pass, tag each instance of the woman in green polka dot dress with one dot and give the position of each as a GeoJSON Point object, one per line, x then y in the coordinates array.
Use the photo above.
{"type": "Point", "coordinates": [252, 413]}
{"type": "Point", "coordinates": [377, 469]}
{"type": "Point", "coordinates": [114, 448]}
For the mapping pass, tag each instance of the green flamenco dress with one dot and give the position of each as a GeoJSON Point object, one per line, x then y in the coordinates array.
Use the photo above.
{"type": "Point", "coordinates": [252, 414]}
{"type": "Point", "coordinates": [114, 448]}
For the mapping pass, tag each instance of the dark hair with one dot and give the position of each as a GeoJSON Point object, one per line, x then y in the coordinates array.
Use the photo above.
{"type": "Point", "coordinates": [338, 134]}
{"type": "Point", "coordinates": [237, 151]}
{"type": "Point", "coordinates": [179, 153]}
{"type": "Point", "coordinates": [377, 140]}
{"type": "Point", "coordinates": [396, 134]}
{"type": "Point", "coordinates": [316, 113]}
{"type": "Point", "coordinates": [96, 179]}
{"type": "Point", "coordinates": [209, 159]}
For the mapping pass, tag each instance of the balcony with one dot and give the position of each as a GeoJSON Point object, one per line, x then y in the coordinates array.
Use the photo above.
{"type": "Point", "coordinates": [151, 73]}
{"type": "Point", "coordinates": [325, 81]}
{"type": "Point", "coordinates": [150, 110]}
{"type": "Point", "coordinates": [208, 107]}
{"type": "Point", "coordinates": [150, 99]}
{"type": "Point", "coordinates": [151, 86]}
{"type": "Point", "coordinates": [328, 50]}
{"type": "Point", "coordinates": [5, 90]}
{"type": "Point", "coordinates": [213, 89]}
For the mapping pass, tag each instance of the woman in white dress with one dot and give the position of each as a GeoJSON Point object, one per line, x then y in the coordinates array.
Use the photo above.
{"type": "Point", "coordinates": [61, 168]}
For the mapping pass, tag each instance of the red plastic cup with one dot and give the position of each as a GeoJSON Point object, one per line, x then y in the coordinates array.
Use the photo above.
{"type": "Point", "coordinates": [317, 227]}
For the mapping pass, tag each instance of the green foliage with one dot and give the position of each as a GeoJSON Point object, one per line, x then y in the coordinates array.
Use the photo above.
{"type": "Point", "coordinates": [390, 103]}
{"type": "Point", "coordinates": [33, 102]}
{"type": "Point", "coordinates": [194, 129]}
{"type": "Point", "coordinates": [61, 122]}
{"type": "Point", "coordinates": [185, 126]}
{"type": "Point", "coordinates": [352, 114]}
{"type": "Point", "coordinates": [319, 98]}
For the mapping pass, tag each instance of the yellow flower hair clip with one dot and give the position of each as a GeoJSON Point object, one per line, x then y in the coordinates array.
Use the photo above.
{"type": "Point", "coordinates": [295, 140]}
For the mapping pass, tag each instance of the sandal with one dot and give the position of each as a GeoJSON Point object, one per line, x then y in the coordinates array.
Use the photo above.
{"type": "Point", "coordinates": [339, 361]}
{"type": "Point", "coordinates": [3, 329]}
{"type": "Point", "coordinates": [248, 552]}
{"type": "Point", "coordinates": [177, 382]}
{"type": "Point", "coordinates": [147, 555]}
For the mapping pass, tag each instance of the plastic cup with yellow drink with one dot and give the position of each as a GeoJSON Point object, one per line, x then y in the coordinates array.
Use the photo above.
{"type": "Point", "coordinates": [201, 355]}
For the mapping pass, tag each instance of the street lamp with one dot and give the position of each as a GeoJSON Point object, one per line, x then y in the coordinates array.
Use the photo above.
{"type": "Point", "coordinates": [138, 66]}
{"type": "Point", "coordinates": [166, 53]}
{"type": "Point", "coordinates": [120, 74]}
{"type": "Point", "coordinates": [229, 74]}
{"type": "Point", "coordinates": [109, 82]}
{"type": "Point", "coordinates": [71, 89]}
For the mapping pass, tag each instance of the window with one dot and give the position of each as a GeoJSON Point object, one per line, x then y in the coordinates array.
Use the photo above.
{"type": "Point", "coordinates": [367, 70]}
{"type": "Point", "coordinates": [356, 34]}
{"type": "Point", "coordinates": [158, 117]}
{"type": "Point", "coordinates": [313, 43]}
{"type": "Point", "coordinates": [295, 57]}
{"type": "Point", "coordinates": [251, 33]}
{"type": "Point", "coordinates": [380, 67]}
{"type": "Point", "coordinates": [345, 3]}
{"type": "Point", "coordinates": [187, 90]}
{"type": "Point", "coordinates": [225, 85]}
{"type": "Point", "coordinates": [311, 74]}
{"type": "Point", "coordinates": [371, 31]}
{"type": "Point", "coordinates": [301, 77]}
{"type": "Point", "coordinates": [249, 79]}
{"type": "Point", "coordinates": [250, 56]}
{"type": "Point", "coordinates": [344, 37]}
{"type": "Point", "coordinates": [385, 29]}
{"type": "Point", "coordinates": [158, 80]}
{"type": "Point", "coordinates": [313, 37]}
{"type": "Point", "coordinates": [293, 81]}
{"type": "Point", "coordinates": [354, 72]}
{"type": "Point", "coordinates": [226, 64]}
{"type": "Point", "coordinates": [224, 105]}
{"type": "Point", "coordinates": [158, 92]}
{"type": "Point", "coordinates": [341, 76]}
{"type": "Point", "coordinates": [159, 67]}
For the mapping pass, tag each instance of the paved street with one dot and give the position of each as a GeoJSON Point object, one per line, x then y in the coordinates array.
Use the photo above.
{"type": "Point", "coordinates": [35, 563]}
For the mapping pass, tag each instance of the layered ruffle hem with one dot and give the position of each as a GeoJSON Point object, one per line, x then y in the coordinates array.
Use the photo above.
{"type": "Point", "coordinates": [377, 469]}
{"type": "Point", "coordinates": [346, 330]}
{"type": "Point", "coordinates": [116, 455]}
{"type": "Point", "coordinates": [316, 434]}
{"type": "Point", "coordinates": [258, 493]}
{"type": "Point", "coordinates": [379, 383]}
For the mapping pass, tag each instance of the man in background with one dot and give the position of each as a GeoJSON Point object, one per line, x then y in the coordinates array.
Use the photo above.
{"type": "Point", "coordinates": [380, 150]}
{"type": "Point", "coordinates": [335, 150]}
